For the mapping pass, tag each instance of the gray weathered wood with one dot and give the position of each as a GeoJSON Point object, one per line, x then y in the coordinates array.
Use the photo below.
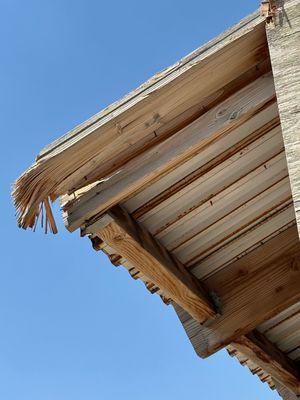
{"type": "Point", "coordinates": [284, 46]}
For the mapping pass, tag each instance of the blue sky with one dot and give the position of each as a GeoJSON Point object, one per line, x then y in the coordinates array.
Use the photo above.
{"type": "Point", "coordinates": [73, 326]}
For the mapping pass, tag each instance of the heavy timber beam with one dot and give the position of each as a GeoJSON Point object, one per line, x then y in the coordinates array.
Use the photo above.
{"type": "Point", "coordinates": [254, 346]}
{"type": "Point", "coordinates": [118, 230]}
{"type": "Point", "coordinates": [248, 297]}
{"type": "Point", "coordinates": [262, 352]}
{"type": "Point", "coordinates": [284, 47]}
{"type": "Point", "coordinates": [247, 301]}
{"type": "Point", "coordinates": [284, 392]}
{"type": "Point", "coordinates": [257, 298]}
{"type": "Point", "coordinates": [165, 156]}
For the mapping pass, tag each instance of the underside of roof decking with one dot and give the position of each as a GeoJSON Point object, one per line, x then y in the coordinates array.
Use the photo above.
{"type": "Point", "coordinates": [187, 183]}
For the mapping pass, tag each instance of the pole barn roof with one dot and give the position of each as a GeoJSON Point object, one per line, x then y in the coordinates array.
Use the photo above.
{"type": "Point", "coordinates": [192, 183]}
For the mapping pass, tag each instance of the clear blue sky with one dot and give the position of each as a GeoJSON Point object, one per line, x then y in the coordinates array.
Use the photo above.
{"type": "Point", "coordinates": [72, 326]}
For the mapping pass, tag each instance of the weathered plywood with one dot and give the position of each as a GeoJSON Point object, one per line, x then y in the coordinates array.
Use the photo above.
{"type": "Point", "coordinates": [136, 245]}
{"type": "Point", "coordinates": [284, 46]}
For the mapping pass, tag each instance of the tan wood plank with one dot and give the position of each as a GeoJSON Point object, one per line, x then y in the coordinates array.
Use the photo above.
{"type": "Point", "coordinates": [124, 129]}
{"type": "Point", "coordinates": [164, 78]}
{"type": "Point", "coordinates": [172, 152]}
{"type": "Point", "coordinates": [249, 297]}
{"type": "Point", "coordinates": [276, 221]}
{"type": "Point", "coordinates": [277, 247]}
{"type": "Point", "coordinates": [178, 207]}
{"type": "Point", "coordinates": [284, 47]}
{"type": "Point", "coordinates": [143, 252]}
{"type": "Point", "coordinates": [266, 355]}
{"type": "Point", "coordinates": [284, 392]}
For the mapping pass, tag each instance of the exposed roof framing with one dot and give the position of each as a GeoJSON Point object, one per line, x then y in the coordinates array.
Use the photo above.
{"type": "Point", "coordinates": [192, 183]}
{"type": "Point", "coordinates": [146, 116]}
{"type": "Point", "coordinates": [118, 230]}
{"type": "Point", "coordinates": [172, 152]}
{"type": "Point", "coordinates": [260, 350]}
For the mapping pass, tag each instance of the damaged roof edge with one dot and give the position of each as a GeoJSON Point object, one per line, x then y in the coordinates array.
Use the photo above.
{"type": "Point", "coordinates": [157, 81]}
{"type": "Point", "coordinates": [42, 181]}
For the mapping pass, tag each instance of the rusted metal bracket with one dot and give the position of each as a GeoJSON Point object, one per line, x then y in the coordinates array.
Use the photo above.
{"type": "Point", "coordinates": [268, 9]}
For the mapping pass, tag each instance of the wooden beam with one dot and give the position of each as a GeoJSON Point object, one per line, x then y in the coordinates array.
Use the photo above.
{"type": "Point", "coordinates": [100, 146]}
{"type": "Point", "coordinates": [248, 298]}
{"type": "Point", "coordinates": [254, 346]}
{"type": "Point", "coordinates": [284, 46]}
{"type": "Point", "coordinates": [170, 153]}
{"type": "Point", "coordinates": [267, 356]}
{"type": "Point", "coordinates": [118, 230]}
{"type": "Point", "coordinates": [243, 39]}
{"type": "Point", "coordinates": [284, 392]}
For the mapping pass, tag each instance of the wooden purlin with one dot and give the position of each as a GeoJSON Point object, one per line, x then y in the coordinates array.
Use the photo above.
{"type": "Point", "coordinates": [129, 240]}
{"type": "Point", "coordinates": [254, 368]}
{"type": "Point", "coordinates": [167, 155]}
{"type": "Point", "coordinates": [256, 349]}
{"type": "Point", "coordinates": [262, 352]}
{"type": "Point", "coordinates": [152, 204]}
{"type": "Point", "coordinates": [96, 149]}
{"type": "Point", "coordinates": [247, 298]}
{"type": "Point", "coordinates": [260, 268]}
{"type": "Point", "coordinates": [117, 260]}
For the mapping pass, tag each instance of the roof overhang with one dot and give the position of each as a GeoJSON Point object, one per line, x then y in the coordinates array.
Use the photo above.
{"type": "Point", "coordinates": [192, 183]}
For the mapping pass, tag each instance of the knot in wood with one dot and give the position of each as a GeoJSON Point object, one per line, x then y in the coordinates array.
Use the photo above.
{"type": "Point", "coordinates": [119, 237]}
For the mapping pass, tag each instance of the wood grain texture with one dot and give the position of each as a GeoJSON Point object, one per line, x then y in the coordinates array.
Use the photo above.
{"type": "Point", "coordinates": [98, 147]}
{"type": "Point", "coordinates": [164, 78]}
{"type": "Point", "coordinates": [173, 185]}
{"type": "Point", "coordinates": [265, 354]}
{"type": "Point", "coordinates": [284, 392]}
{"type": "Point", "coordinates": [284, 46]}
{"type": "Point", "coordinates": [248, 298]}
{"type": "Point", "coordinates": [166, 156]}
{"type": "Point", "coordinates": [137, 246]}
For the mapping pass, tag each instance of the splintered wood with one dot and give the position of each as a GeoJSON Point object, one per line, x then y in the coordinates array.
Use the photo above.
{"type": "Point", "coordinates": [192, 183]}
{"type": "Point", "coordinates": [173, 98]}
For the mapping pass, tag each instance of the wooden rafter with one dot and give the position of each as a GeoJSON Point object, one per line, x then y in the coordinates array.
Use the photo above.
{"type": "Point", "coordinates": [165, 156]}
{"type": "Point", "coordinates": [250, 294]}
{"type": "Point", "coordinates": [118, 230]}
{"type": "Point", "coordinates": [258, 349]}
{"type": "Point", "coordinates": [247, 299]}
{"type": "Point", "coordinates": [98, 147]}
{"type": "Point", "coordinates": [266, 355]}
